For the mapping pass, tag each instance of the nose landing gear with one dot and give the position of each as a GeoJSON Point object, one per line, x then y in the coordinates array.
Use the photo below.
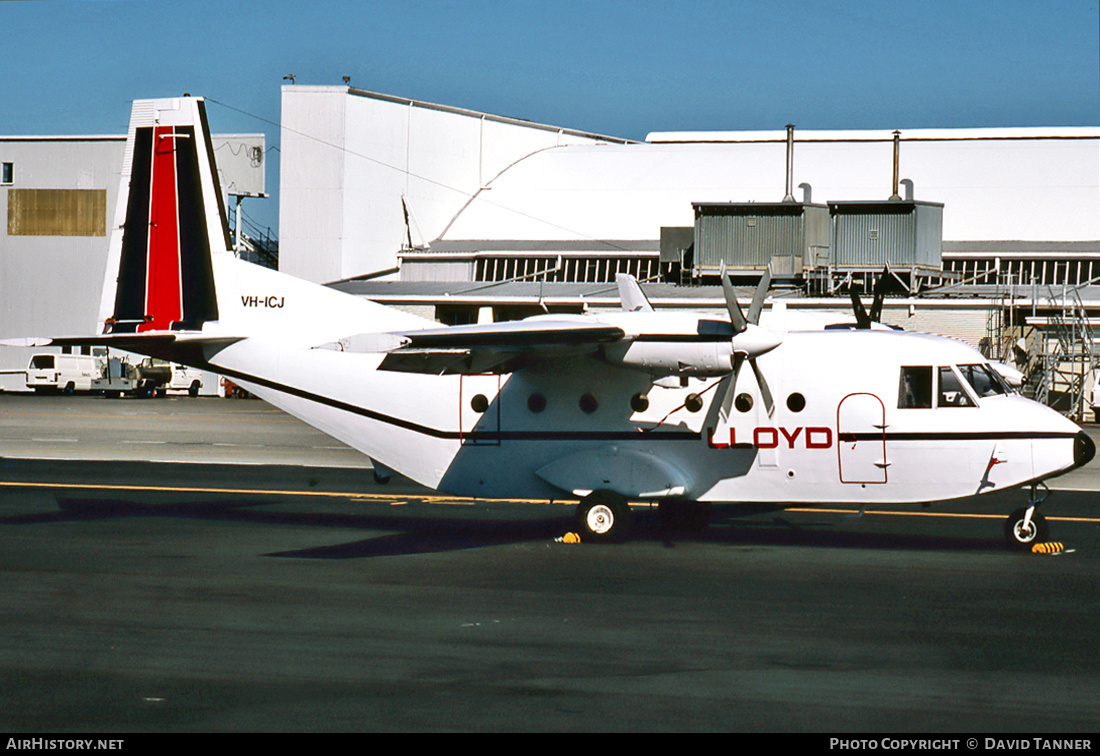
{"type": "Point", "coordinates": [1026, 527]}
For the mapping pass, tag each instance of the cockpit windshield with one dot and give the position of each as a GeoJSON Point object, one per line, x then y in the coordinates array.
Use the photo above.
{"type": "Point", "coordinates": [984, 380]}
{"type": "Point", "coordinates": [952, 393]}
{"type": "Point", "coordinates": [915, 389]}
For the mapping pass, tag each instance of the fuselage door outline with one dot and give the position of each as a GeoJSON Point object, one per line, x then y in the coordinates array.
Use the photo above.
{"type": "Point", "coordinates": [861, 439]}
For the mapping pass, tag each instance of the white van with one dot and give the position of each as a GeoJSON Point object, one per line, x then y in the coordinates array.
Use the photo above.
{"type": "Point", "coordinates": [61, 372]}
{"type": "Point", "coordinates": [185, 379]}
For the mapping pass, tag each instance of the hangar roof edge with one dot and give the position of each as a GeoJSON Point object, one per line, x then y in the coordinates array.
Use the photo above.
{"type": "Point", "coordinates": [878, 135]}
{"type": "Point", "coordinates": [356, 92]}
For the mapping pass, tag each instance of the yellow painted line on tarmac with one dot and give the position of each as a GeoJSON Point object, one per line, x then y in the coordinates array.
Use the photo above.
{"type": "Point", "coordinates": [933, 514]}
{"type": "Point", "coordinates": [400, 498]}
{"type": "Point", "coordinates": [206, 489]}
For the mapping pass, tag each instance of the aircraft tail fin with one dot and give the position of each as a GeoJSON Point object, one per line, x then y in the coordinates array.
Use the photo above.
{"type": "Point", "coordinates": [170, 218]}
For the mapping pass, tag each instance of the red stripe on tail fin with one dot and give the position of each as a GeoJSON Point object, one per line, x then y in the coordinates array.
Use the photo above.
{"type": "Point", "coordinates": [170, 220]}
{"type": "Point", "coordinates": [163, 287]}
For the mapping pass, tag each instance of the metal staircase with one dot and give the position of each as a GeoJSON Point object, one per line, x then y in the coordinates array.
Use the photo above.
{"type": "Point", "coordinates": [1055, 354]}
{"type": "Point", "coordinates": [1065, 360]}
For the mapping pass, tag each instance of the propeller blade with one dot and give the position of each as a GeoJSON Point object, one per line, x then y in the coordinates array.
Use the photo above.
{"type": "Point", "coordinates": [737, 360]}
{"type": "Point", "coordinates": [765, 392]}
{"type": "Point", "coordinates": [760, 295]}
{"type": "Point", "coordinates": [737, 318]}
{"type": "Point", "coordinates": [863, 320]}
{"type": "Point", "coordinates": [728, 389]}
{"type": "Point", "coordinates": [876, 309]}
{"type": "Point", "coordinates": [880, 295]}
{"type": "Point", "coordinates": [725, 403]}
{"type": "Point", "coordinates": [748, 341]}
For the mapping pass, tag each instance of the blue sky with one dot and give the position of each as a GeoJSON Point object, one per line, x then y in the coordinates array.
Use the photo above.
{"type": "Point", "coordinates": [608, 66]}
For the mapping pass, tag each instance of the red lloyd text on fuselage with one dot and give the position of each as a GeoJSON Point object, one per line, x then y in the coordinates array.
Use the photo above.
{"type": "Point", "coordinates": [768, 437]}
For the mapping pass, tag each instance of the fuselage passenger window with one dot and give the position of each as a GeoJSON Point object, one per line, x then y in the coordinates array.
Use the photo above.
{"type": "Point", "coordinates": [915, 388]}
{"type": "Point", "coordinates": [952, 393]}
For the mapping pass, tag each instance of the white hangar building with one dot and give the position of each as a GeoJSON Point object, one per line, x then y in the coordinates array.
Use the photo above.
{"type": "Point", "coordinates": [364, 176]}
{"type": "Point", "coordinates": [458, 212]}
{"type": "Point", "coordinates": [370, 182]}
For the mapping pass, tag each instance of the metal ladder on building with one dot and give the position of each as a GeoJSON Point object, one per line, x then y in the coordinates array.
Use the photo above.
{"type": "Point", "coordinates": [1065, 361]}
{"type": "Point", "coordinates": [1000, 335]}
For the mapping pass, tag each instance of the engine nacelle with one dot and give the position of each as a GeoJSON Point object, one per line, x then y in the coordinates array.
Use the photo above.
{"type": "Point", "coordinates": [697, 355]}
{"type": "Point", "coordinates": [698, 360]}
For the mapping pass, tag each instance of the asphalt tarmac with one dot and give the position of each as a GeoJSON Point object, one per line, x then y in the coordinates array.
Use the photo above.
{"type": "Point", "coordinates": [208, 565]}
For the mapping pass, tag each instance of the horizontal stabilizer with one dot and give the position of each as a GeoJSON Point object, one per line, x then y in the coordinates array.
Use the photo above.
{"type": "Point", "coordinates": [192, 348]}
{"type": "Point", "coordinates": [26, 342]}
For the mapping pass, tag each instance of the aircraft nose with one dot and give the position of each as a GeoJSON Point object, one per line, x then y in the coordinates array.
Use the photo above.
{"type": "Point", "coordinates": [1083, 449]}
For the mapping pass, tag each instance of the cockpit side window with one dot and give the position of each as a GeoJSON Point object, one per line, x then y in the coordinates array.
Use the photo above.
{"type": "Point", "coordinates": [983, 380]}
{"type": "Point", "coordinates": [915, 388]}
{"type": "Point", "coordinates": [952, 393]}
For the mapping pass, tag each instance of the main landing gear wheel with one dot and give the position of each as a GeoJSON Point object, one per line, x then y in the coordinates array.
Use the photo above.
{"type": "Point", "coordinates": [603, 517]}
{"type": "Point", "coordinates": [1023, 532]}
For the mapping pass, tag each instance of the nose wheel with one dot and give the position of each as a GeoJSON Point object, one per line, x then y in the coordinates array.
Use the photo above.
{"type": "Point", "coordinates": [1023, 530]}
{"type": "Point", "coordinates": [1026, 527]}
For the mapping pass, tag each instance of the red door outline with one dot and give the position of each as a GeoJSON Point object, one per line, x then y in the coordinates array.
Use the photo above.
{"type": "Point", "coordinates": [863, 457]}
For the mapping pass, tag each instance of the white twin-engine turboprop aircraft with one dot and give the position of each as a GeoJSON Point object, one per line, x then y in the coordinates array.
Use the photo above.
{"type": "Point", "coordinates": [627, 406]}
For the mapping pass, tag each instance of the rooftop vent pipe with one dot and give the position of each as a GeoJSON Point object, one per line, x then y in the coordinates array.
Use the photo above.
{"type": "Point", "coordinates": [895, 197]}
{"type": "Point", "coordinates": [789, 196]}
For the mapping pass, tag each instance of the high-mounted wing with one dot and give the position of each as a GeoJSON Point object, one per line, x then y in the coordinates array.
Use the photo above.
{"type": "Point", "coordinates": [532, 332]}
{"type": "Point", "coordinates": [488, 348]}
{"type": "Point", "coordinates": [497, 347]}
{"type": "Point", "coordinates": [687, 344]}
